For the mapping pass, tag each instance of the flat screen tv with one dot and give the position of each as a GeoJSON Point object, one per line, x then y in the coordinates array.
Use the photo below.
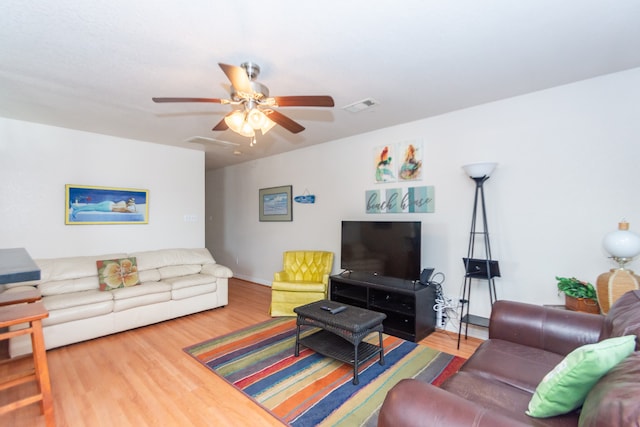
{"type": "Point", "coordinates": [385, 248]}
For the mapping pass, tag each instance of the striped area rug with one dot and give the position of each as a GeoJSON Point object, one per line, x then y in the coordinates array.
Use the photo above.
{"type": "Point", "coordinates": [313, 390]}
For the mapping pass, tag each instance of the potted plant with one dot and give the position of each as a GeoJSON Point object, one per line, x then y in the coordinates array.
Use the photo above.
{"type": "Point", "coordinates": [578, 295]}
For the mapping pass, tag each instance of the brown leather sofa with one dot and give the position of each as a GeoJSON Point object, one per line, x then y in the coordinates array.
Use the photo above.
{"type": "Point", "coordinates": [494, 387]}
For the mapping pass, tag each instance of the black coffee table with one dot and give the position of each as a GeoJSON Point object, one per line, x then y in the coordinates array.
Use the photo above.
{"type": "Point", "coordinates": [342, 333]}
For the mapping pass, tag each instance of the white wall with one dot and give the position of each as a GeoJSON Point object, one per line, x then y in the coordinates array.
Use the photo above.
{"type": "Point", "coordinates": [36, 162]}
{"type": "Point", "coordinates": [568, 172]}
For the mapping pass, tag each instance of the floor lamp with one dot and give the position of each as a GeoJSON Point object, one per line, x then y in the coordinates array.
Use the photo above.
{"type": "Point", "coordinates": [478, 268]}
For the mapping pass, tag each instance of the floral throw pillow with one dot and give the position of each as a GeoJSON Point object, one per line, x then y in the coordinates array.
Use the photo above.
{"type": "Point", "coordinates": [117, 273]}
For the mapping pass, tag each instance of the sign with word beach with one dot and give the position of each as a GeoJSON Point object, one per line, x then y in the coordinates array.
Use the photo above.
{"type": "Point", "coordinates": [401, 200]}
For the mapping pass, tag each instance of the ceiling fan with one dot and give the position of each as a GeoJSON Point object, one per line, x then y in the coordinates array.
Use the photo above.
{"type": "Point", "coordinates": [253, 108]}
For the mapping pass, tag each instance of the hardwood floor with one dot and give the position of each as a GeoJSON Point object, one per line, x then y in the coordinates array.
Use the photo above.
{"type": "Point", "coordinates": [143, 378]}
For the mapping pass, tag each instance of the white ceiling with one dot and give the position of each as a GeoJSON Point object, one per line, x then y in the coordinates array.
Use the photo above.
{"type": "Point", "coordinates": [95, 64]}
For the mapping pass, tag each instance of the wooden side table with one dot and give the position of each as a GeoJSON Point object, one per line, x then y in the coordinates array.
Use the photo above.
{"type": "Point", "coordinates": [31, 314]}
{"type": "Point", "coordinates": [28, 296]}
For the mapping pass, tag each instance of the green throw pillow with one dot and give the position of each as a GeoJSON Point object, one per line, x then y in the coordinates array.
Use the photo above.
{"type": "Point", "coordinates": [567, 385]}
{"type": "Point", "coordinates": [117, 273]}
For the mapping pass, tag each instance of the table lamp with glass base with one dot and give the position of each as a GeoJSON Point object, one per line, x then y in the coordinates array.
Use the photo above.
{"type": "Point", "coordinates": [623, 245]}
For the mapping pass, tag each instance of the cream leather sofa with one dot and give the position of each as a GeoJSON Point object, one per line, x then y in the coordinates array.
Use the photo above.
{"type": "Point", "coordinates": [173, 283]}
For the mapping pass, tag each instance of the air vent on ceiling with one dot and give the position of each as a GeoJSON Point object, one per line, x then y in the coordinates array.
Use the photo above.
{"type": "Point", "coordinates": [365, 104]}
{"type": "Point", "coordinates": [205, 140]}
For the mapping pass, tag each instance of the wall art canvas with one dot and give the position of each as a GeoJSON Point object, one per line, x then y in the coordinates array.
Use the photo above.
{"type": "Point", "coordinates": [106, 205]}
{"type": "Point", "coordinates": [401, 200]}
{"type": "Point", "coordinates": [275, 204]}
{"type": "Point", "coordinates": [410, 161]}
{"type": "Point", "coordinates": [384, 163]}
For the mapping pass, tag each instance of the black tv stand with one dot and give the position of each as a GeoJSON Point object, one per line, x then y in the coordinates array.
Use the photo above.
{"type": "Point", "coordinates": [408, 304]}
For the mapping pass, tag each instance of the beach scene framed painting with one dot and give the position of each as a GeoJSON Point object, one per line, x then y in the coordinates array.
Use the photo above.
{"type": "Point", "coordinates": [105, 205]}
{"type": "Point", "coordinates": [275, 204]}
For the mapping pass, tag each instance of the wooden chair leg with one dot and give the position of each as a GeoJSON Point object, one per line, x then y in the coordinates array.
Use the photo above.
{"type": "Point", "coordinates": [42, 373]}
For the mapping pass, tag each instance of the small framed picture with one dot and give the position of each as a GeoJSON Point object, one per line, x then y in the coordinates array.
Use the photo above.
{"type": "Point", "coordinates": [275, 204]}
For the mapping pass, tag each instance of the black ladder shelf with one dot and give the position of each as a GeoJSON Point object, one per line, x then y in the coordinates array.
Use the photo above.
{"type": "Point", "coordinates": [477, 268]}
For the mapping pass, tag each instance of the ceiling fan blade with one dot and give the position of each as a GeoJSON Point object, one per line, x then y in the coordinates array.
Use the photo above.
{"type": "Point", "coordinates": [214, 100]}
{"type": "Point", "coordinates": [284, 121]}
{"type": "Point", "coordinates": [222, 125]}
{"type": "Point", "coordinates": [238, 77]}
{"type": "Point", "coordinates": [304, 101]}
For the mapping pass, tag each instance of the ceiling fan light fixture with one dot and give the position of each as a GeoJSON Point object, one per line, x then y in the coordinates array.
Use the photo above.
{"type": "Point", "coordinates": [268, 125]}
{"type": "Point", "coordinates": [234, 120]}
{"type": "Point", "coordinates": [252, 105]}
{"type": "Point", "coordinates": [237, 122]}
{"type": "Point", "coordinates": [247, 130]}
{"type": "Point", "coordinates": [256, 118]}
{"type": "Point", "coordinates": [247, 122]}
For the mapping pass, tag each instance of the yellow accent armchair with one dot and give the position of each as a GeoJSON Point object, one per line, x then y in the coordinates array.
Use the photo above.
{"type": "Point", "coordinates": [304, 279]}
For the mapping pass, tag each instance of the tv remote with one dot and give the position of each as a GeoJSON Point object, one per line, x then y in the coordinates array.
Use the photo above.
{"type": "Point", "coordinates": [334, 310]}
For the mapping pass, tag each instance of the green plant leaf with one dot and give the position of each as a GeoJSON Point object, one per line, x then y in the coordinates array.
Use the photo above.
{"type": "Point", "coordinates": [576, 288]}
